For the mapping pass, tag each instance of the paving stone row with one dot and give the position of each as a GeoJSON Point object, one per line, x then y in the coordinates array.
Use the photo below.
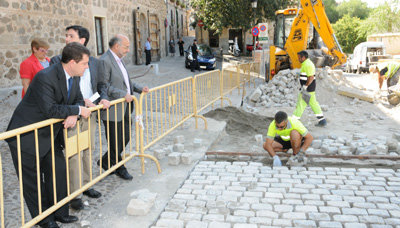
{"type": "Point", "coordinates": [248, 194]}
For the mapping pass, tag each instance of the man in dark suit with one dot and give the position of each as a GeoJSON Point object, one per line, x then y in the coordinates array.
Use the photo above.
{"type": "Point", "coordinates": [119, 86]}
{"type": "Point", "coordinates": [53, 93]}
{"type": "Point", "coordinates": [195, 51]}
{"type": "Point", "coordinates": [91, 82]}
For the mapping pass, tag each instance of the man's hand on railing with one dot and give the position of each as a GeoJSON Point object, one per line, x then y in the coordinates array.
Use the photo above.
{"type": "Point", "coordinates": [85, 112]}
{"type": "Point", "coordinates": [145, 89]}
{"type": "Point", "coordinates": [70, 121]}
{"type": "Point", "coordinates": [89, 103]}
{"type": "Point", "coordinates": [105, 103]}
{"type": "Point", "coordinates": [128, 97]}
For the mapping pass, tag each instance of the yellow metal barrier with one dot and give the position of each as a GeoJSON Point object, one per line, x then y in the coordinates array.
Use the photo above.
{"type": "Point", "coordinates": [157, 113]}
{"type": "Point", "coordinates": [74, 145]}
{"type": "Point", "coordinates": [164, 108]}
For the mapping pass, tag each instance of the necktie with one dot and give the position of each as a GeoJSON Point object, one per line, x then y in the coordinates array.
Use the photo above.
{"type": "Point", "coordinates": [70, 81]}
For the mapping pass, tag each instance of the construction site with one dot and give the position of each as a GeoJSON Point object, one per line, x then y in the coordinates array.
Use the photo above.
{"type": "Point", "coordinates": [199, 144]}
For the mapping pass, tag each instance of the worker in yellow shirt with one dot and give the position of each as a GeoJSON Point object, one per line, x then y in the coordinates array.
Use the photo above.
{"type": "Point", "coordinates": [389, 71]}
{"type": "Point", "coordinates": [284, 133]}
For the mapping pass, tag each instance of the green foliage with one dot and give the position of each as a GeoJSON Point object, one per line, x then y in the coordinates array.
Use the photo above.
{"type": "Point", "coordinates": [350, 31]}
{"type": "Point", "coordinates": [219, 14]}
{"type": "Point", "coordinates": [355, 8]}
{"type": "Point", "coordinates": [385, 18]}
{"type": "Point", "coordinates": [331, 10]}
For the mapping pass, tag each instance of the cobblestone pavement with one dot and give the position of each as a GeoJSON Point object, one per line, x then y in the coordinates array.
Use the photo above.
{"type": "Point", "coordinates": [242, 194]}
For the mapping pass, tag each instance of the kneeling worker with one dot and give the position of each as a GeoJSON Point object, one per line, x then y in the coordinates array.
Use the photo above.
{"type": "Point", "coordinates": [284, 133]}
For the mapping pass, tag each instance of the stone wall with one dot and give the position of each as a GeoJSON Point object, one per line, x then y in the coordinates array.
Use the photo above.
{"type": "Point", "coordinates": [23, 20]}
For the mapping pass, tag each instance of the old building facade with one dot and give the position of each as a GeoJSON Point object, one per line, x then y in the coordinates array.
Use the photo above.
{"type": "Point", "coordinates": [23, 20]}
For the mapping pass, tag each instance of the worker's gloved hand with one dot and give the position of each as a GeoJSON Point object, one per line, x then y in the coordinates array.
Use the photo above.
{"type": "Point", "coordinates": [300, 155]}
{"type": "Point", "coordinates": [304, 88]}
{"type": "Point", "coordinates": [277, 162]}
{"type": "Point", "coordinates": [305, 95]}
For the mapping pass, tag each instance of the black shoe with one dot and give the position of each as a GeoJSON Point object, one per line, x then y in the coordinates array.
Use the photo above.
{"type": "Point", "coordinates": [192, 70]}
{"type": "Point", "coordinates": [51, 224]}
{"type": "Point", "coordinates": [124, 174]}
{"type": "Point", "coordinates": [66, 219]}
{"type": "Point", "coordinates": [92, 193]}
{"type": "Point", "coordinates": [104, 166]}
{"type": "Point", "coordinates": [321, 123]}
{"type": "Point", "coordinates": [76, 204]}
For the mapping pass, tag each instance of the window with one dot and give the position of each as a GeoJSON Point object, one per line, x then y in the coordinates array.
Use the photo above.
{"type": "Point", "coordinates": [99, 35]}
{"type": "Point", "coordinates": [213, 39]}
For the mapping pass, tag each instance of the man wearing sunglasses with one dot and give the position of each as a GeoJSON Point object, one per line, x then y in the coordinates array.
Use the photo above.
{"type": "Point", "coordinates": [284, 133]}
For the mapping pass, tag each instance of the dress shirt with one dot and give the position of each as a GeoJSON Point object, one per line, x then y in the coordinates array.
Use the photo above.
{"type": "Point", "coordinates": [67, 76]}
{"type": "Point", "coordinates": [86, 85]}
{"type": "Point", "coordinates": [124, 72]}
{"type": "Point", "coordinates": [148, 46]}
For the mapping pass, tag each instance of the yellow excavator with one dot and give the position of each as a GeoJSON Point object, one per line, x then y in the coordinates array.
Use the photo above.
{"type": "Point", "coordinates": [292, 34]}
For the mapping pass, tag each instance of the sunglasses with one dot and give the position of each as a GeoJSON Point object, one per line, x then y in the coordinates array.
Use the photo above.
{"type": "Point", "coordinates": [282, 126]}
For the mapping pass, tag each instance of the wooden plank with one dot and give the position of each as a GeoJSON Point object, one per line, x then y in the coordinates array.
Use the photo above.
{"type": "Point", "coordinates": [356, 93]}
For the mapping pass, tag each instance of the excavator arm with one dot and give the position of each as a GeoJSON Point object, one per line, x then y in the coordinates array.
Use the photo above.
{"type": "Point", "coordinates": [312, 11]}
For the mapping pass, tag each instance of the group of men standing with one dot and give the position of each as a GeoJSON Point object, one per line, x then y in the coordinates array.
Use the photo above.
{"type": "Point", "coordinates": [64, 90]}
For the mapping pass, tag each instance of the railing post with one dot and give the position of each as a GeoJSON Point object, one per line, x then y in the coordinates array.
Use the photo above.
{"type": "Point", "coordinates": [194, 100]}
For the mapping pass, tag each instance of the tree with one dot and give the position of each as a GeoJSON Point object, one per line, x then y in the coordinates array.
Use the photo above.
{"type": "Point", "coordinates": [219, 14]}
{"type": "Point", "coordinates": [355, 8]}
{"type": "Point", "coordinates": [350, 31]}
{"type": "Point", "coordinates": [385, 18]}
{"type": "Point", "coordinates": [331, 10]}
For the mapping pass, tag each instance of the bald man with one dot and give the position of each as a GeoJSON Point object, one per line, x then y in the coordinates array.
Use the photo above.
{"type": "Point", "coordinates": [120, 86]}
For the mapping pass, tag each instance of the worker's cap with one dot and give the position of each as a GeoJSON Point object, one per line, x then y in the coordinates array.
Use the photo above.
{"type": "Point", "coordinates": [194, 40]}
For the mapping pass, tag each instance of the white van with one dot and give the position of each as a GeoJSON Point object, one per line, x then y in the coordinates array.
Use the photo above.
{"type": "Point", "coordinates": [362, 56]}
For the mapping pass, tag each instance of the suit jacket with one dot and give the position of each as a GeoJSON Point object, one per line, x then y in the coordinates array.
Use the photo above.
{"type": "Point", "coordinates": [47, 97]}
{"type": "Point", "coordinates": [97, 80]}
{"type": "Point", "coordinates": [116, 85]}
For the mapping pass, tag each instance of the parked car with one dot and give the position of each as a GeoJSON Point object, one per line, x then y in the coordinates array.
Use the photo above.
{"type": "Point", "coordinates": [362, 55]}
{"type": "Point", "coordinates": [205, 58]}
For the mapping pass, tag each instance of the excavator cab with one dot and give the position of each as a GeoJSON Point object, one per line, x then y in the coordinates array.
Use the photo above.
{"type": "Point", "coordinates": [304, 28]}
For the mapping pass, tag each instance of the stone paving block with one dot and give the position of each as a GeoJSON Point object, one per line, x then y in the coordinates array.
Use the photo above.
{"type": "Point", "coordinates": [139, 207]}
{"type": "Point", "coordinates": [380, 226]}
{"type": "Point", "coordinates": [345, 218]}
{"type": "Point", "coordinates": [197, 143]}
{"type": "Point", "coordinates": [304, 223]}
{"type": "Point", "coordinates": [325, 224]}
{"type": "Point", "coordinates": [169, 215]}
{"type": "Point", "coordinates": [375, 183]}
{"type": "Point", "coordinates": [327, 186]}
{"type": "Point", "coordinates": [213, 217]}
{"type": "Point", "coordinates": [333, 181]}
{"type": "Point", "coordinates": [178, 147]}
{"type": "Point", "coordinates": [377, 199]}
{"type": "Point", "coordinates": [364, 205]}
{"type": "Point", "coordinates": [160, 154]}
{"type": "Point", "coordinates": [332, 198]}
{"type": "Point", "coordinates": [313, 181]}
{"type": "Point", "coordinates": [245, 213]}
{"type": "Point", "coordinates": [343, 192]}
{"type": "Point", "coordinates": [384, 193]}
{"type": "Point", "coordinates": [363, 193]}
{"type": "Point", "coordinates": [354, 199]}
{"type": "Point", "coordinates": [260, 220]}
{"type": "Point", "coordinates": [282, 222]}
{"type": "Point", "coordinates": [261, 206]}
{"type": "Point", "coordinates": [388, 206]}
{"type": "Point", "coordinates": [341, 204]}
{"type": "Point", "coordinates": [184, 196]}
{"type": "Point", "coordinates": [220, 211]}
{"type": "Point", "coordinates": [190, 216]}
{"type": "Point", "coordinates": [314, 202]}
{"type": "Point", "coordinates": [395, 200]}
{"type": "Point", "coordinates": [354, 211]}
{"type": "Point", "coordinates": [292, 202]}
{"type": "Point", "coordinates": [311, 197]}
{"type": "Point", "coordinates": [291, 196]}
{"type": "Point", "coordinates": [371, 219]}
{"type": "Point", "coordinates": [320, 191]}
{"type": "Point", "coordinates": [299, 190]}
{"type": "Point", "coordinates": [329, 209]}
{"type": "Point", "coordinates": [275, 195]}
{"type": "Point", "coordinates": [196, 210]}
{"type": "Point", "coordinates": [355, 225]}
{"type": "Point", "coordinates": [267, 213]}
{"type": "Point", "coordinates": [170, 223]}
{"type": "Point", "coordinates": [187, 158]}
{"type": "Point", "coordinates": [379, 212]}
{"type": "Point", "coordinates": [196, 203]}
{"type": "Point", "coordinates": [392, 221]}
{"type": "Point", "coordinates": [229, 198]}
{"type": "Point", "coordinates": [249, 200]}
{"type": "Point", "coordinates": [294, 215]}
{"type": "Point", "coordinates": [319, 216]}
{"type": "Point", "coordinates": [174, 158]}
{"type": "Point", "coordinates": [238, 206]}
{"type": "Point", "coordinates": [241, 225]}
{"type": "Point", "coordinates": [236, 219]}
{"type": "Point", "coordinates": [196, 224]}
{"type": "Point", "coordinates": [219, 225]}
{"type": "Point", "coordinates": [206, 197]}
{"type": "Point", "coordinates": [306, 208]}
{"type": "Point", "coordinates": [232, 193]}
